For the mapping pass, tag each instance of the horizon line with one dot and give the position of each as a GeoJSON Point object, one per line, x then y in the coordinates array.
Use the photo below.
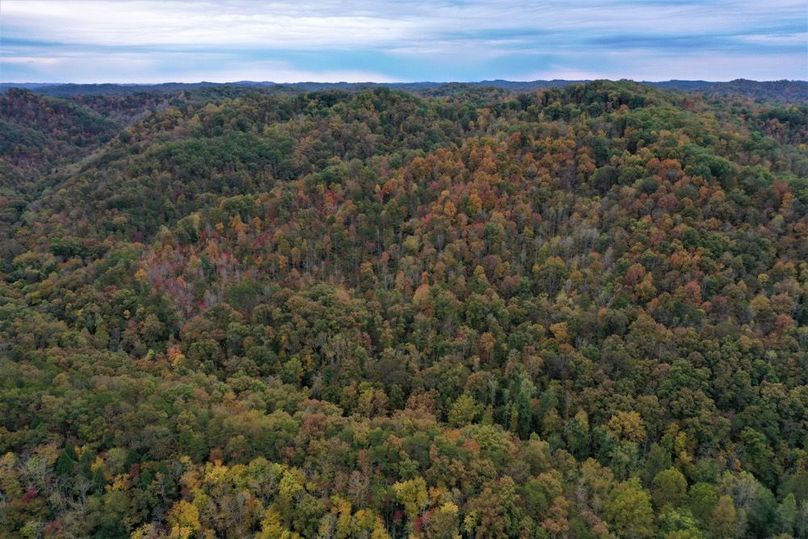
{"type": "Point", "coordinates": [479, 81]}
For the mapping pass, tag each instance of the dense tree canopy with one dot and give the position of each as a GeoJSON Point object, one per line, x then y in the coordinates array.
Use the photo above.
{"type": "Point", "coordinates": [574, 312]}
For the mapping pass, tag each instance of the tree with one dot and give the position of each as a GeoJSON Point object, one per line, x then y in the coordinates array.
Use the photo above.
{"type": "Point", "coordinates": [701, 500]}
{"type": "Point", "coordinates": [184, 520]}
{"type": "Point", "coordinates": [787, 514]}
{"type": "Point", "coordinates": [724, 522]}
{"type": "Point", "coordinates": [576, 434]}
{"type": "Point", "coordinates": [670, 487]}
{"type": "Point", "coordinates": [628, 510]}
{"type": "Point", "coordinates": [443, 522]}
{"type": "Point", "coordinates": [627, 426]}
{"type": "Point", "coordinates": [496, 511]}
{"type": "Point", "coordinates": [413, 495]}
{"type": "Point", "coordinates": [464, 410]}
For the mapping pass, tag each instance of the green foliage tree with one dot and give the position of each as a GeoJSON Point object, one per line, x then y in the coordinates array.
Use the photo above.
{"type": "Point", "coordinates": [628, 510]}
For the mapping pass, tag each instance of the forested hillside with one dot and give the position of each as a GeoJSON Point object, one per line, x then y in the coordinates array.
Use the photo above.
{"type": "Point", "coordinates": [575, 312]}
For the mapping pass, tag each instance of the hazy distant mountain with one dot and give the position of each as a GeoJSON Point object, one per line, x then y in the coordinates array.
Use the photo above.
{"type": "Point", "coordinates": [782, 90]}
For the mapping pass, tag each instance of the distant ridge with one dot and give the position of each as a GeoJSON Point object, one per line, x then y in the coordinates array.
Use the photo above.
{"type": "Point", "coordinates": [783, 90]}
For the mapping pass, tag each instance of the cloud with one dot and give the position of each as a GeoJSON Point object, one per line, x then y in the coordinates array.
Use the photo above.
{"type": "Point", "coordinates": [655, 66]}
{"type": "Point", "coordinates": [144, 40]}
{"type": "Point", "coordinates": [172, 23]}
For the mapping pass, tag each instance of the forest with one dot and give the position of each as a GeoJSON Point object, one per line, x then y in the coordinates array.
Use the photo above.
{"type": "Point", "coordinates": [462, 311]}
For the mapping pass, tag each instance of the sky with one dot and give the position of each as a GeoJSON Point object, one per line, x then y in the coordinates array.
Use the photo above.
{"type": "Point", "coordinates": [90, 41]}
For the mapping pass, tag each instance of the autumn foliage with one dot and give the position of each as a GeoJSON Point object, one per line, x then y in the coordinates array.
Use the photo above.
{"type": "Point", "coordinates": [569, 313]}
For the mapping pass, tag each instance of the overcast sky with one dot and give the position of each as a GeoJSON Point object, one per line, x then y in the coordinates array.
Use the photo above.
{"type": "Point", "coordinates": [390, 40]}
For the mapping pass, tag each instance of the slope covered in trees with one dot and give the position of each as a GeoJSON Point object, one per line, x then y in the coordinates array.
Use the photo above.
{"type": "Point", "coordinates": [577, 312]}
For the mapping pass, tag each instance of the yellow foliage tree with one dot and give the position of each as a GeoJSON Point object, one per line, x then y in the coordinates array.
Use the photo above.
{"type": "Point", "coordinates": [184, 520]}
